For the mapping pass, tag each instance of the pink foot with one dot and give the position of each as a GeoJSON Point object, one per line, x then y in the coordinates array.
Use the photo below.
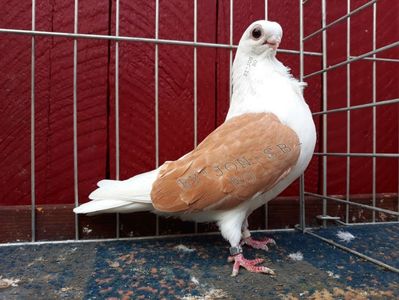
{"type": "Point", "coordinates": [250, 265]}
{"type": "Point", "coordinates": [262, 244]}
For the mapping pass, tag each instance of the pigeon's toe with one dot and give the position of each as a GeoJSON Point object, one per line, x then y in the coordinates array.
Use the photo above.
{"type": "Point", "coordinates": [261, 244]}
{"type": "Point", "coordinates": [250, 265]}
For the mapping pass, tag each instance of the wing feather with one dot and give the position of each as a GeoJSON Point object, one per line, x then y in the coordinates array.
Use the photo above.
{"type": "Point", "coordinates": [246, 155]}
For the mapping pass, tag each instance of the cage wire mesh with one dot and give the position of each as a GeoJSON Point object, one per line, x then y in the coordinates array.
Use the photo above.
{"type": "Point", "coordinates": [375, 56]}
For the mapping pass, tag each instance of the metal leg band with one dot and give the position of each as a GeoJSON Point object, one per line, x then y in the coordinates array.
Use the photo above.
{"type": "Point", "coordinates": [235, 250]}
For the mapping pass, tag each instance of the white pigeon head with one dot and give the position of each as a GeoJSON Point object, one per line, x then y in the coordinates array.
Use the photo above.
{"type": "Point", "coordinates": [261, 37]}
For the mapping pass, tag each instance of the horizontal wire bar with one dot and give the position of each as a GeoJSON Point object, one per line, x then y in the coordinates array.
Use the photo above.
{"type": "Point", "coordinates": [378, 103]}
{"type": "Point", "coordinates": [343, 18]}
{"type": "Point", "coordinates": [138, 238]}
{"type": "Point", "coordinates": [382, 155]}
{"type": "Point", "coordinates": [327, 218]}
{"type": "Point", "coordinates": [382, 59]}
{"type": "Point", "coordinates": [136, 39]}
{"type": "Point", "coordinates": [343, 63]}
{"type": "Point", "coordinates": [395, 213]}
{"type": "Point", "coordinates": [367, 223]}
{"type": "Point", "coordinates": [368, 258]}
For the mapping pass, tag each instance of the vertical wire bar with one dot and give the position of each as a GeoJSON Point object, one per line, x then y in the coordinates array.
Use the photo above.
{"type": "Point", "coordinates": [348, 112]}
{"type": "Point", "coordinates": [117, 143]}
{"type": "Point", "coordinates": [302, 217]}
{"type": "Point", "coordinates": [75, 117]}
{"type": "Point", "coordinates": [266, 204]}
{"type": "Point", "coordinates": [374, 82]}
{"type": "Point", "coordinates": [156, 100]}
{"type": "Point", "coordinates": [324, 46]}
{"type": "Point", "coordinates": [32, 128]}
{"type": "Point", "coordinates": [195, 88]}
{"type": "Point", "coordinates": [231, 49]}
{"type": "Point", "coordinates": [195, 77]}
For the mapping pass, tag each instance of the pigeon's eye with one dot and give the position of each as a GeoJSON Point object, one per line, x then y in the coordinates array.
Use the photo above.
{"type": "Point", "coordinates": [256, 33]}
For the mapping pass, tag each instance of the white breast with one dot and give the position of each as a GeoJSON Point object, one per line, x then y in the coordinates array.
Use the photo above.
{"type": "Point", "coordinates": [268, 87]}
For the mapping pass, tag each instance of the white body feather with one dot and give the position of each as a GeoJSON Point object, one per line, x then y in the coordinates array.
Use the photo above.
{"type": "Point", "coordinates": [260, 84]}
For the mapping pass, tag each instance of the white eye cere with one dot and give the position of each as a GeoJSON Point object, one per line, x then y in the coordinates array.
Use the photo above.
{"type": "Point", "coordinates": [256, 33]}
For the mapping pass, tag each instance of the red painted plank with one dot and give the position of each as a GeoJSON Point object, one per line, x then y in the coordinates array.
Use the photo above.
{"type": "Point", "coordinates": [54, 147]}
{"type": "Point", "coordinates": [246, 12]}
{"type": "Point", "coordinates": [336, 122]}
{"type": "Point", "coordinates": [15, 121]}
{"type": "Point", "coordinates": [16, 15]}
{"type": "Point", "coordinates": [206, 69]}
{"type": "Point", "coordinates": [361, 92]}
{"type": "Point", "coordinates": [176, 88]}
{"type": "Point", "coordinates": [92, 96]}
{"type": "Point", "coordinates": [136, 91]}
{"type": "Point", "coordinates": [15, 105]}
{"type": "Point", "coordinates": [286, 13]}
{"type": "Point", "coordinates": [222, 84]}
{"type": "Point", "coordinates": [361, 85]}
{"type": "Point", "coordinates": [312, 22]}
{"type": "Point", "coordinates": [222, 61]}
{"type": "Point", "coordinates": [54, 92]}
{"type": "Point", "coordinates": [388, 88]}
{"type": "Point", "coordinates": [55, 181]}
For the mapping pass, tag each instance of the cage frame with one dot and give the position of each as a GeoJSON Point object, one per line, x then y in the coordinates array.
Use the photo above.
{"type": "Point", "coordinates": [302, 53]}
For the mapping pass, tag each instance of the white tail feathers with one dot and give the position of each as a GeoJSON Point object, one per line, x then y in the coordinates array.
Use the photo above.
{"type": "Point", "coordinates": [111, 206]}
{"type": "Point", "coordinates": [121, 196]}
{"type": "Point", "coordinates": [106, 182]}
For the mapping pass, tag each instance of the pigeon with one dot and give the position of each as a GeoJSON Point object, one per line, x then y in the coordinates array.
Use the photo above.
{"type": "Point", "coordinates": [265, 143]}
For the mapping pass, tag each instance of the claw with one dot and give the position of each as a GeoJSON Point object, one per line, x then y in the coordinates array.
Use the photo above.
{"type": "Point", "coordinates": [250, 265]}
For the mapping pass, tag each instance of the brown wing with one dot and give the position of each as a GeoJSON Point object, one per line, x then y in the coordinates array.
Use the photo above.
{"type": "Point", "coordinates": [245, 155]}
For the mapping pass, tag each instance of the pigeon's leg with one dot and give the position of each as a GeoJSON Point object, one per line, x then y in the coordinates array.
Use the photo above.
{"type": "Point", "coordinates": [231, 231]}
{"type": "Point", "coordinates": [248, 240]}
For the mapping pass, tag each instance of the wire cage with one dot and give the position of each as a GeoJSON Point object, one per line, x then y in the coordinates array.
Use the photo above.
{"type": "Point", "coordinates": [346, 53]}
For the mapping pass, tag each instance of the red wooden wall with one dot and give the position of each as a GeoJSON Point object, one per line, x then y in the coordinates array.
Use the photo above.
{"type": "Point", "coordinates": [96, 90]}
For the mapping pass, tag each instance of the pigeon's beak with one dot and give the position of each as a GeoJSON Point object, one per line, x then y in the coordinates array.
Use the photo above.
{"type": "Point", "coordinates": [273, 42]}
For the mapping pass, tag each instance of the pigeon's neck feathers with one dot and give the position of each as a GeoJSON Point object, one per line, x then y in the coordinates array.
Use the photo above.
{"type": "Point", "coordinates": [261, 83]}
